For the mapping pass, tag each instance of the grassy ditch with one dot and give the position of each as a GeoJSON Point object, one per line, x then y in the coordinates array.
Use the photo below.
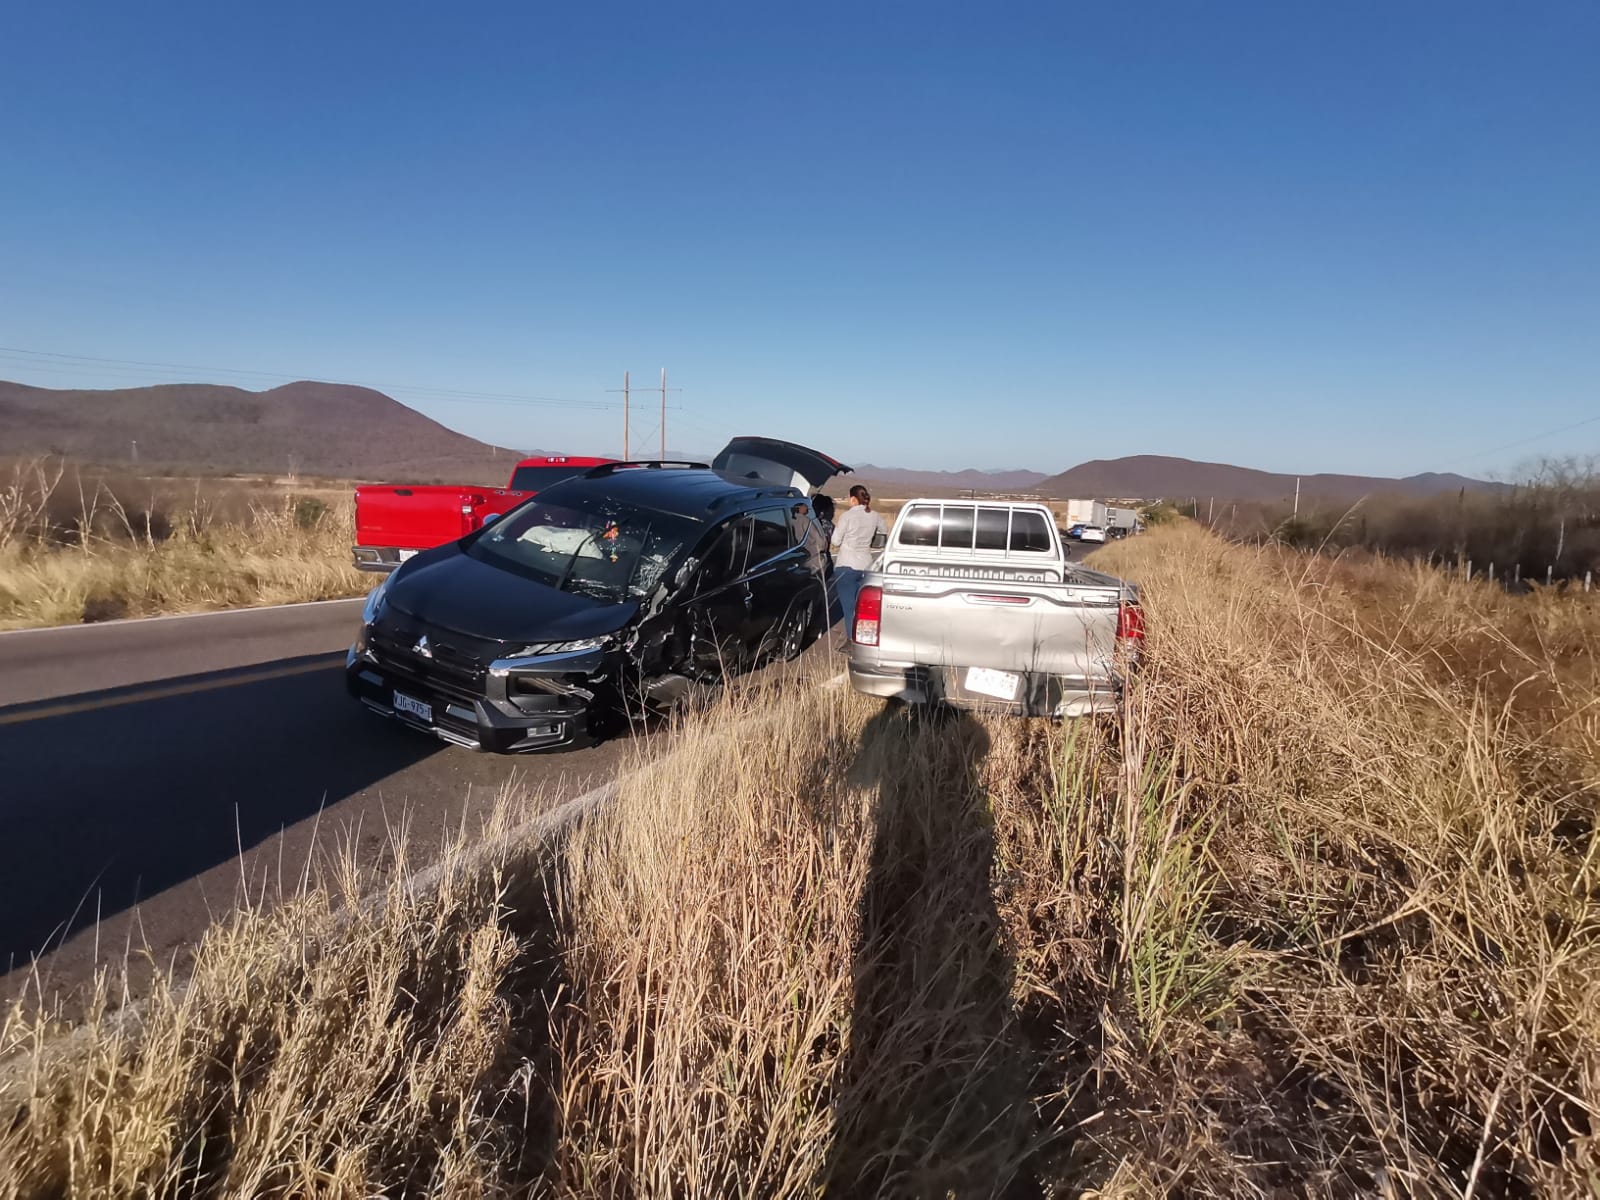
{"type": "Point", "coordinates": [78, 548]}
{"type": "Point", "coordinates": [1318, 916]}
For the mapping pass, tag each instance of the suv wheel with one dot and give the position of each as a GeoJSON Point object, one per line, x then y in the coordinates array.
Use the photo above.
{"type": "Point", "coordinates": [792, 634]}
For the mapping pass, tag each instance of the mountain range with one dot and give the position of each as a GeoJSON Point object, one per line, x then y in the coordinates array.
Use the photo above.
{"type": "Point", "coordinates": [332, 430]}
{"type": "Point", "coordinates": [342, 431]}
{"type": "Point", "coordinates": [1152, 475]}
{"type": "Point", "coordinates": [988, 481]}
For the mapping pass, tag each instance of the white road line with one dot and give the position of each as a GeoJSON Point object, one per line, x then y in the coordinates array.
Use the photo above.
{"type": "Point", "coordinates": [216, 612]}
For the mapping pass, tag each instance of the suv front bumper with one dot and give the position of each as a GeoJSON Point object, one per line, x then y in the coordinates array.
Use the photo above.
{"type": "Point", "coordinates": [501, 726]}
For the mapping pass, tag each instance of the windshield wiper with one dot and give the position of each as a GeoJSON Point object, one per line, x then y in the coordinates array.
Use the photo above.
{"type": "Point", "coordinates": [566, 574]}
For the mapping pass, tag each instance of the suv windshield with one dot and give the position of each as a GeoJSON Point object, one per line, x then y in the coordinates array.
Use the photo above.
{"type": "Point", "coordinates": [612, 552]}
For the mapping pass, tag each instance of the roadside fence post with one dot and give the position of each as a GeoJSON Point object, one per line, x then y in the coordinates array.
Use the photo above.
{"type": "Point", "coordinates": [1491, 574]}
{"type": "Point", "coordinates": [1517, 578]}
{"type": "Point", "coordinates": [1587, 575]}
{"type": "Point", "coordinates": [1469, 570]}
{"type": "Point", "coordinates": [1549, 575]}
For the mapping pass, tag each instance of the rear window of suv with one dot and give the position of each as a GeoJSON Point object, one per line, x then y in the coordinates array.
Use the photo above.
{"type": "Point", "coordinates": [961, 527]}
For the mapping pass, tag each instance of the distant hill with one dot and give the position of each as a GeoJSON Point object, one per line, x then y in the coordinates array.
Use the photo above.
{"type": "Point", "coordinates": [1151, 475]}
{"type": "Point", "coordinates": [986, 481]}
{"type": "Point", "coordinates": [324, 429]}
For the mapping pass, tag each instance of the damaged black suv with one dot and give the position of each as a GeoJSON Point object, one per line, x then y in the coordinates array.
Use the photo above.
{"type": "Point", "coordinates": [609, 593]}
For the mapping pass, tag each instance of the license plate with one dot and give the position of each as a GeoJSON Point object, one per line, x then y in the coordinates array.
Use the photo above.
{"type": "Point", "coordinates": [1002, 685]}
{"type": "Point", "coordinates": [404, 703]}
{"type": "Point", "coordinates": [405, 554]}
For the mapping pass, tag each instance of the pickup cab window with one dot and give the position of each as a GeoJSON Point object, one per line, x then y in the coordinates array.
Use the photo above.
{"type": "Point", "coordinates": [963, 527]}
{"type": "Point", "coordinates": [955, 528]}
{"type": "Point", "coordinates": [1030, 532]}
{"type": "Point", "coordinates": [533, 479]}
{"type": "Point", "coordinates": [994, 529]}
{"type": "Point", "coordinates": [920, 526]}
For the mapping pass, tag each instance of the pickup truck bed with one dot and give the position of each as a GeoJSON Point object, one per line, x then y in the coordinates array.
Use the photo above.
{"type": "Point", "coordinates": [396, 521]}
{"type": "Point", "coordinates": [975, 605]}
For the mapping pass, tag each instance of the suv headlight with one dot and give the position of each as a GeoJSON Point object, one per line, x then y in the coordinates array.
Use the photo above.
{"type": "Point", "coordinates": [572, 647]}
{"type": "Point", "coordinates": [373, 609]}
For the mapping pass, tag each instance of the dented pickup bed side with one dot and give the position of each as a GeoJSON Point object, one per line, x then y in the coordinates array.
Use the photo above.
{"type": "Point", "coordinates": [974, 604]}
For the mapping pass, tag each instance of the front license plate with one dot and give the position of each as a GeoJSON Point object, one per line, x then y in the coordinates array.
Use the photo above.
{"type": "Point", "coordinates": [1002, 685]}
{"type": "Point", "coordinates": [404, 703]}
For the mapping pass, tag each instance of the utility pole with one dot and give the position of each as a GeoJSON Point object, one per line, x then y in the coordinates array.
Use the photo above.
{"type": "Point", "coordinates": [627, 411]}
{"type": "Point", "coordinates": [625, 414]}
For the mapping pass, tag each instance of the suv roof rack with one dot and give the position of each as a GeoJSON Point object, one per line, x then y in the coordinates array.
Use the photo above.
{"type": "Point", "coordinates": [752, 494]}
{"type": "Point", "coordinates": [653, 464]}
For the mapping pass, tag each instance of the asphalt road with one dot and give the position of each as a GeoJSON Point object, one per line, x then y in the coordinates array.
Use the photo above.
{"type": "Point", "coordinates": [151, 770]}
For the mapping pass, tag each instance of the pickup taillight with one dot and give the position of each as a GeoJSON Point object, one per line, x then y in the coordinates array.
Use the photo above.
{"type": "Point", "coordinates": [1130, 623]}
{"type": "Point", "coordinates": [869, 614]}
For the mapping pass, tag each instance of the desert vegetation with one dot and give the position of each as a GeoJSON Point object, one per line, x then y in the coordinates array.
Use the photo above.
{"type": "Point", "coordinates": [1317, 915]}
{"type": "Point", "coordinates": [87, 546]}
{"type": "Point", "coordinates": [1546, 528]}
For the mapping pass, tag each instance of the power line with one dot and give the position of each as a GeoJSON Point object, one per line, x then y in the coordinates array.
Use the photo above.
{"type": "Point", "coordinates": [1537, 437]}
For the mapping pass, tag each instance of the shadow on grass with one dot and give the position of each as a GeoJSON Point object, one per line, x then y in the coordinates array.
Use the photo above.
{"type": "Point", "coordinates": [933, 1094]}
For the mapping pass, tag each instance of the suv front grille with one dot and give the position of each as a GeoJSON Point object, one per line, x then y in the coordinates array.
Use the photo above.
{"type": "Point", "coordinates": [454, 665]}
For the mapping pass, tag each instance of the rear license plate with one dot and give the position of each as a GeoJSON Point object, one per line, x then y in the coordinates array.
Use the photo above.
{"type": "Point", "coordinates": [405, 554]}
{"type": "Point", "coordinates": [1002, 685]}
{"type": "Point", "coordinates": [404, 703]}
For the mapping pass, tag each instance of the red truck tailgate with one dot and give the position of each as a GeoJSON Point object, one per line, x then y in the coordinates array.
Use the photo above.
{"type": "Point", "coordinates": [415, 518]}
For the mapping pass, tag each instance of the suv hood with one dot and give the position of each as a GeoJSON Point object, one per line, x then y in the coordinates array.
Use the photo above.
{"type": "Point", "coordinates": [783, 464]}
{"type": "Point", "coordinates": [454, 591]}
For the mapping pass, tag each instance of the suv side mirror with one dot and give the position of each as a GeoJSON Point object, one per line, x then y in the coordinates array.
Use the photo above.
{"type": "Point", "coordinates": [880, 540]}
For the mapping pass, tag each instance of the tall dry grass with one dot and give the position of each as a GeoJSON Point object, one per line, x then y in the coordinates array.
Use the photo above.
{"type": "Point", "coordinates": [786, 969]}
{"type": "Point", "coordinates": [1316, 916]}
{"type": "Point", "coordinates": [351, 1040]}
{"type": "Point", "coordinates": [73, 550]}
{"type": "Point", "coordinates": [1380, 785]}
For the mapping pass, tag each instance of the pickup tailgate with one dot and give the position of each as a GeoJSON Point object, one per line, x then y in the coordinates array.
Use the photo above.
{"type": "Point", "coordinates": [1064, 629]}
{"type": "Point", "coordinates": [415, 518]}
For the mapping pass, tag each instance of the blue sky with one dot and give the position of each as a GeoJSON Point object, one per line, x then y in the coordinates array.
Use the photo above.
{"type": "Point", "coordinates": [1298, 236]}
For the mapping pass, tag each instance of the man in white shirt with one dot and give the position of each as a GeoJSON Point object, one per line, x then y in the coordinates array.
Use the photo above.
{"type": "Point", "coordinates": [853, 553]}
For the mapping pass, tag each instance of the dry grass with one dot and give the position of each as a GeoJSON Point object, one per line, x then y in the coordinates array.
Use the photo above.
{"type": "Point", "coordinates": [322, 1046]}
{"type": "Point", "coordinates": [96, 554]}
{"type": "Point", "coordinates": [1396, 957]}
{"type": "Point", "coordinates": [1317, 917]}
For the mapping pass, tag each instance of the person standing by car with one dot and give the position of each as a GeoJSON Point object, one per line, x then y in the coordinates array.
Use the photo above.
{"type": "Point", "coordinates": [822, 505]}
{"type": "Point", "coordinates": [853, 539]}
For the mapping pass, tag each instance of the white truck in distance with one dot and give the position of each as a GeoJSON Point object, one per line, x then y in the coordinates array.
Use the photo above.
{"type": "Point", "coordinates": [974, 604]}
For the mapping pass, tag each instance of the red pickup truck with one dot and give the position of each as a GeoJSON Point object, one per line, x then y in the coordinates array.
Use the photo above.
{"type": "Point", "coordinates": [394, 521]}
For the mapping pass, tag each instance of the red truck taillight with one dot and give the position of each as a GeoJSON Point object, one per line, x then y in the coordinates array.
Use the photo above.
{"type": "Point", "coordinates": [869, 613]}
{"type": "Point", "coordinates": [1130, 623]}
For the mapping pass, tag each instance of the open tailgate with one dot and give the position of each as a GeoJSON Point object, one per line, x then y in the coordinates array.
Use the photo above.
{"type": "Point", "coordinates": [782, 464]}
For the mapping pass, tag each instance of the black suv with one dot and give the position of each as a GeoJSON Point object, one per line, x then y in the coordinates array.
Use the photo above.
{"type": "Point", "coordinates": [608, 593]}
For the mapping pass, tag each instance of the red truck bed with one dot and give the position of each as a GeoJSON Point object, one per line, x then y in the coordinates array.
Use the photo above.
{"type": "Point", "coordinates": [395, 521]}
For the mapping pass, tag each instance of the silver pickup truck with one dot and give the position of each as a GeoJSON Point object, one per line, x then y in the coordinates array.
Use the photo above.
{"type": "Point", "coordinates": [974, 604]}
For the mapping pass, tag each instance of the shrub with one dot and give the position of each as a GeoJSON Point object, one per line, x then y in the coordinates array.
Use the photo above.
{"type": "Point", "coordinates": [309, 511]}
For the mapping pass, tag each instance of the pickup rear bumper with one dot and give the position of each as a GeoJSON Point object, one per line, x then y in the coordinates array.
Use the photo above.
{"type": "Point", "coordinates": [1038, 695]}
{"type": "Point", "coordinates": [379, 558]}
